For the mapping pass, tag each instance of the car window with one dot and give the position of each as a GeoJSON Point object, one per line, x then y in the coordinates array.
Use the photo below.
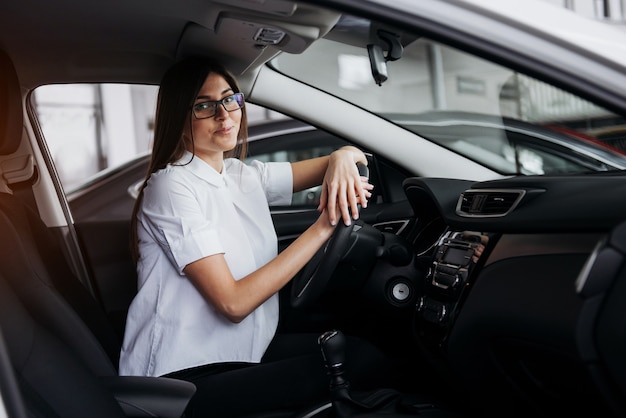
{"type": "Point", "coordinates": [300, 144]}
{"type": "Point", "coordinates": [93, 130]}
{"type": "Point", "coordinates": [89, 128]}
{"type": "Point", "coordinates": [509, 122]}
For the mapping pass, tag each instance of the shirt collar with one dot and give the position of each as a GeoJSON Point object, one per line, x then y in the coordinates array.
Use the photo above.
{"type": "Point", "coordinates": [201, 169]}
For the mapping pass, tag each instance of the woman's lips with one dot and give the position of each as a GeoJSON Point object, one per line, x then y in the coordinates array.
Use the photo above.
{"type": "Point", "coordinates": [225, 131]}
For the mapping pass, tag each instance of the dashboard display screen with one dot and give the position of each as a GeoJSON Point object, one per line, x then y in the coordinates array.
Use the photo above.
{"type": "Point", "coordinates": [457, 256]}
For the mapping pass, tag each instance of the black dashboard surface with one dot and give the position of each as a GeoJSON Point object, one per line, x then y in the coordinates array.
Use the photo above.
{"type": "Point", "coordinates": [593, 202]}
{"type": "Point", "coordinates": [508, 324]}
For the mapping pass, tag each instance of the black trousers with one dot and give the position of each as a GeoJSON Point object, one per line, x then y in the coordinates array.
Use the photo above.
{"type": "Point", "coordinates": [291, 377]}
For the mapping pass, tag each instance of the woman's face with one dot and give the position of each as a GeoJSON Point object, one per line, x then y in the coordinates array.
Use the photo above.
{"type": "Point", "coordinates": [214, 135]}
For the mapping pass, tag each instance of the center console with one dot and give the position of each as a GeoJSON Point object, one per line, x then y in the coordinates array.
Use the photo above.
{"type": "Point", "coordinates": [449, 277]}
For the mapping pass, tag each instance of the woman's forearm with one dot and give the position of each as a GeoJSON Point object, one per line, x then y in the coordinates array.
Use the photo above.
{"type": "Point", "coordinates": [236, 299]}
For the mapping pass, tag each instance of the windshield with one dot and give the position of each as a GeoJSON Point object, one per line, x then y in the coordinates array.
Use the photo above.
{"type": "Point", "coordinates": [506, 121]}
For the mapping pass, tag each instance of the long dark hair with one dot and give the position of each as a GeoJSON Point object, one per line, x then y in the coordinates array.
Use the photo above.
{"type": "Point", "coordinates": [177, 93]}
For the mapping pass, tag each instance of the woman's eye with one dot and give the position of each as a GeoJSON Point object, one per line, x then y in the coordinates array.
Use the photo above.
{"type": "Point", "coordinates": [229, 99]}
{"type": "Point", "coordinates": [202, 106]}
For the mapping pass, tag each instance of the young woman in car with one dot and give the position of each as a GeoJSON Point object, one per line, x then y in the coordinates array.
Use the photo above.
{"type": "Point", "coordinates": [206, 251]}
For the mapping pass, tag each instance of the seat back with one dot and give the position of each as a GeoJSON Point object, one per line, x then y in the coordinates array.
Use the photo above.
{"type": "Point", "coordinates": [32, 259]}
{"type": "Point", "coordinates": [35, 268]}
{"type": "Point", "coordinates": [53, 383]}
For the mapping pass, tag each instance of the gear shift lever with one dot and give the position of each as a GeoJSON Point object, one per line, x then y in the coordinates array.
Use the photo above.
{"type": "Point", "coordinates": [346, 404]}
{"type": "Point", "coordinates": [333, 346]}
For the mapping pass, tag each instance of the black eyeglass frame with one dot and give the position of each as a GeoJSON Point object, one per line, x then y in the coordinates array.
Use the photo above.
{"type": "Point", "coordinates": [239, 99]}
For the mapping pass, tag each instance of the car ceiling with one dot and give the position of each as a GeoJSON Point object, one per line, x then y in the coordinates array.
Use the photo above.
{"type": "Point", "coordinates": [136, 40]}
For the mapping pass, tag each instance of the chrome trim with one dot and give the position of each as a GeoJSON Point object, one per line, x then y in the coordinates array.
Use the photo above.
{"type": "Point", "coordinates": [404, 223]}
{"type": "Point", "coordinates": [521, 193]}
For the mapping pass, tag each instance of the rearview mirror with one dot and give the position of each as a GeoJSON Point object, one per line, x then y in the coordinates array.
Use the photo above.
{"type": "Point", "coordinates": [378, 60]}
{"type": "Point", "coordinates": [377, 63]}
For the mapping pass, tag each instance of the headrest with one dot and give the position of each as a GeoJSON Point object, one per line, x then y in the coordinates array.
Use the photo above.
{"type": "Point", "coordinates": [10, 107]}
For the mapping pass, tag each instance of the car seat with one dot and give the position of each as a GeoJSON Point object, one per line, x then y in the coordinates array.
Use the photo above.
{"type": "Point", "coordinates": [51, 380]}
{"type": "Point", "coordinates": [35, 269]}
{"type": "Point", "coordinates": [31, 257]}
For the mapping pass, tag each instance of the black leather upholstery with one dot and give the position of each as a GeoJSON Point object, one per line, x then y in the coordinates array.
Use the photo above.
{"type": "Point", "coordinates": [65, 373]}
{"type": "Point", "coordinates": [52, 381]}
{"type": "Point", "coordinates": [32, 262]}
{"type": "Point", "coordinates": [55, 383]}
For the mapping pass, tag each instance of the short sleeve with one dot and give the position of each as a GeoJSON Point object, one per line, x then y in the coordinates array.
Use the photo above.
{"type": "Point", "coordinates": [277, 181]}
{"type": "Point", "coordinates": [174, 217]}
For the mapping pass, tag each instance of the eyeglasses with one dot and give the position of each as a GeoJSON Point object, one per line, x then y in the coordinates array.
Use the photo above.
{"type": "Point", "coordinates": [209, 108]}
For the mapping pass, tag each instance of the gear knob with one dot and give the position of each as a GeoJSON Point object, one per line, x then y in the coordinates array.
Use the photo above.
{"type": "Point", "coordinates": [333, 346]}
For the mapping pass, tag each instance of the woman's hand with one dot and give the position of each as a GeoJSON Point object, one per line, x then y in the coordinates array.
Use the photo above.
{"type": "Point", "coordinates": [343, 188]}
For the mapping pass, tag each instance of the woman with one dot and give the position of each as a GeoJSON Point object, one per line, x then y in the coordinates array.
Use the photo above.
{"type": "Point", "coordinates": [206, 251]}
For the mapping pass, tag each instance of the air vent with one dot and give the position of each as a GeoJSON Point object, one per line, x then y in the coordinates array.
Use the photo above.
{"type": "Point", "coordinates": [488, 202]}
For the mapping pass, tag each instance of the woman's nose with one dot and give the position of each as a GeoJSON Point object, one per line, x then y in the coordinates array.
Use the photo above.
{"type": "Point", "coordinates": [221, 112]}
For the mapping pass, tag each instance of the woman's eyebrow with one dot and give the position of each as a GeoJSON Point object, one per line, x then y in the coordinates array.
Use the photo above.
{"type": "Point", "coordinates": [228, 90]}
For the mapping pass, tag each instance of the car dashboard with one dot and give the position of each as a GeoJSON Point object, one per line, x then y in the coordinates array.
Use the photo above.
{"type": "Point", "coordinates": [500, 307]}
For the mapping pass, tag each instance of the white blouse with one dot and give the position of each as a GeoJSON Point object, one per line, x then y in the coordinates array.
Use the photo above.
{"type": "Point", "coordinates": [190, 211]}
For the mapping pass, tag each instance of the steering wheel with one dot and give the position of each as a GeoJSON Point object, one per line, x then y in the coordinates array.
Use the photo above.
{"type": "Point", "coordinates": [308, 285]}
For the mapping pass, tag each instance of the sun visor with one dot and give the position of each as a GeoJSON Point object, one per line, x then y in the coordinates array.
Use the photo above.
{"type": "Point", "coordinates": [241, 41]}
{"type": "Point", "coordinates": [261, 33]}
